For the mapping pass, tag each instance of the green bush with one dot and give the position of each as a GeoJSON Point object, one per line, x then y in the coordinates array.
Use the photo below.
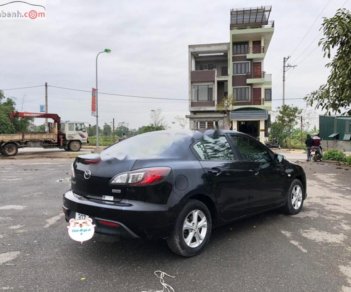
{"type": "Point", "coordinates": [348, 160]}
{"type": "Point", "coordinates": [335, 155]}
{"type": "Point", "coordinates": [103, 140]}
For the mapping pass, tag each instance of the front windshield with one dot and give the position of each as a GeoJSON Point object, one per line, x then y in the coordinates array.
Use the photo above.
{"type": "Point", "coordinates": [160, 144]}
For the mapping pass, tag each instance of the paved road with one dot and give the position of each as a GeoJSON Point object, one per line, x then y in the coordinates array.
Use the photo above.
{"type": "Point", "coordinates": [269, 252]}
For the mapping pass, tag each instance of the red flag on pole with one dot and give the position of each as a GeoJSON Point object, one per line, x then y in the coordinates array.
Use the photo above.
{"type": "Point", "coordinates": [93, 102]}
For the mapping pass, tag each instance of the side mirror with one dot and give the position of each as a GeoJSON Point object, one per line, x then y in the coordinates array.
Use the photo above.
{"type": "Point", "coordinates": [279, 158]}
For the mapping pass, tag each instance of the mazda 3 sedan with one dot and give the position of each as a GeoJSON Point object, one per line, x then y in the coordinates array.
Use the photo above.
{"type": "Point", "coordinates": [179, 185]}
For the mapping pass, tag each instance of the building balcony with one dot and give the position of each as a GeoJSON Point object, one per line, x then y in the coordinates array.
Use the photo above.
{"type": "Point", "coordinates": [257, 103]}
{"type": "Point", "coordinates": [199, 76]}
{"type": "Point", "coordinates": [252, 26]}
{"type": "Point", "coordinates": [261, 78]}
{"type": "Point", "coordinates": [203, 76]}
{"type": "Point", "coordinates": [256, 52]}
{"type": "Point", "coordinates": [203, 103]}
{"type": "Point", "coordinates": [202, 106]}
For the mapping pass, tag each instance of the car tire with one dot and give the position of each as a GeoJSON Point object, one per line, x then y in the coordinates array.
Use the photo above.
{"type": "Point", "coordinates": [294, 198]}
{"type": "Point", "coordinates": [192, 230]}
{"type": "Point", "coordinates": [9, 149]}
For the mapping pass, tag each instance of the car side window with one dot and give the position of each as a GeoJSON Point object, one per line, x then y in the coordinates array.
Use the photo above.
{"type": "Point", "coordinates": [250, 150]}
{"type": "Point", "coordinates": [214, 148]}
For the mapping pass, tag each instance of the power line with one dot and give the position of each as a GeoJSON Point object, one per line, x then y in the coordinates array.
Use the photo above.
{"type": "Point", "coordinates": [18, 88]}
{"type": "Point", "coordinates": [344, 3]}
{"type": "Point", "coordinates": [303, 56]}
{"type": "Point", "coordinates": [309, 30]}
{"type": "Point", "coordinates": [119, 94]}
{"type": "Point", "coordinates": [298, 59]}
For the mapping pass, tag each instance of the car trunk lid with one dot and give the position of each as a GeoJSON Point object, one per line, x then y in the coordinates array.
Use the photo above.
{"type": "Point", "coordinates": [92, 176]}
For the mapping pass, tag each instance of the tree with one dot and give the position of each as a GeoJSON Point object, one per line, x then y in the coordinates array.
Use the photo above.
{"type": "Point", "coordinates": [285, 123]}
{"type": "Point", "coordinates": [157, 119]}
{"type": "Point", "coordinates": [92, 131]}
{"type": "Point", "coordinates": [182, 121]}
{"type": "Point", "coordinates": [10, 125]}
{"type": "Point", "coordinates": [335, 95]}
{"type": "Point", "coordinates": [149, 128]}
{"type": "Point", "coordinates": [107, 130]}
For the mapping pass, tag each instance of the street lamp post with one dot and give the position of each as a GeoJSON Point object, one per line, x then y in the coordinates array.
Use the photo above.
{"type": "Point", "coordinates": [97, 94]}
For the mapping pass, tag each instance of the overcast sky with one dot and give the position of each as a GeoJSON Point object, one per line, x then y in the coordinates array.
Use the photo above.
{"type": "Point", "coordinates": [149, 42]}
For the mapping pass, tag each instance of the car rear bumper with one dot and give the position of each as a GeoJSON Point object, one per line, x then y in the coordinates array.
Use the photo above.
{"type": "Point", "coordinates": [128, 218]}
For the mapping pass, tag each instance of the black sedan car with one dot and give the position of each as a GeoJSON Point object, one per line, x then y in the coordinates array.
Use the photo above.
{"type": "Point", "coordinates": [180, 185]}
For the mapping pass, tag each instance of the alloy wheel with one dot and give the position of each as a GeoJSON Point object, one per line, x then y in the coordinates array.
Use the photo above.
{"type": "Point", "coordinates": [194, 228]}
{"type": "Point", "coordinates": [296, 197]}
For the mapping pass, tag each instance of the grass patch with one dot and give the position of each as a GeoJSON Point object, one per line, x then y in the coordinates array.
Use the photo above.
{"type": "Point", "coordinates": [337, 155]}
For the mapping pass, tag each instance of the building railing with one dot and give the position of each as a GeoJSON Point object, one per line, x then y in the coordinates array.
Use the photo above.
{"type": "Point", "coordinates": [256, 50]}
{"type": "Point", "coordinates": [202, 103]}
{"type": "Point", "coordinates": [269, 24]}
{"type": "Point", "coordinates": [262, 74]}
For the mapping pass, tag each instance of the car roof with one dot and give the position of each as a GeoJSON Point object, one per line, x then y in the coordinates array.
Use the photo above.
{"type": "Point", "coordinates": [197, 135]}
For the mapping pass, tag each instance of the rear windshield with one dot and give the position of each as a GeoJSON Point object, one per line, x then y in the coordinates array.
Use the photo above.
{"type": "Point", "coordinates": [152, 145]}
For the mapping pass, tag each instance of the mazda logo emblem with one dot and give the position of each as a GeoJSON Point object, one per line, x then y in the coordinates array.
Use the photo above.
{"type": "Point", "coordinates": [87, 174]}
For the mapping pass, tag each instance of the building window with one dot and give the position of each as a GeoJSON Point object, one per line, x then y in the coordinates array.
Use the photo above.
{"type": "Point", "coordinates": [224, 71]}
{"type": "Point", "coordinates": [203, 125]}
{"type": "Point", "coordinates": [203, 66]}
{"type": "Point", "coordinates": [268, 94]}
{"type": "Point", "coordinates": [210, 125]}
{"type": "Point", "coordinates": [241, 68]}
{"type": "Point", "coordinates": [241, 93]}
{"type": "Point", "coordinates": [240, 48]}
{"type": "Point", "coordinates": [202, 92]}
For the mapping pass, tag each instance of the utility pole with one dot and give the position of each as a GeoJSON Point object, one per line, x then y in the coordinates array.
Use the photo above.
{"type": "Point", "coordinates": [286, 67]}
{"type": "Point", "coordinates": [46, 106]}
{"type": "Point", "coordinates": [301, 129]}
{"type": "Point", "coordinates": [113, 130]}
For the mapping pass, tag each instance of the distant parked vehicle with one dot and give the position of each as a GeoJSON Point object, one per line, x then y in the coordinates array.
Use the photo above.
{"type": "Point", "coordinates": [272, 144]}
{"type": "Point", "coordinates": [178, 186]}
{"type": "Point", "coordinates": [68, 135]}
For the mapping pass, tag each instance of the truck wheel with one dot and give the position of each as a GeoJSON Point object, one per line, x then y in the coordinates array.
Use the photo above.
{"type": "Point", "coordinates": [9, 149]}
{"type": "Point", "coordinates": [74, 146]}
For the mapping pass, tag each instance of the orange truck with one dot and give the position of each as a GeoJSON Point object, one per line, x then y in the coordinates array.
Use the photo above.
{"type": "Point", "coordinates": [67, 135]}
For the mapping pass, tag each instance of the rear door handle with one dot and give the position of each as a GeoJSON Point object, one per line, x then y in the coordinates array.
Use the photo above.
{"type": "Point", "coordinates": [215, 171]}
{"type": "Point", "coordinates": [254, 171]}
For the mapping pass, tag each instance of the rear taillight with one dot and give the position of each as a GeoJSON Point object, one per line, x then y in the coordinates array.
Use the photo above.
{"type": "Point", "coordinates": [92, 161]}
{"type": "Point", "coordinates": [141, 177]}
{"type": "Point", "coordinates": [107, 223]}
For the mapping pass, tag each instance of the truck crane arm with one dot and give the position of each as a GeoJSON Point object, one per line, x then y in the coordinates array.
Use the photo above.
{"type": "Point", "coordinates": [55, 117]}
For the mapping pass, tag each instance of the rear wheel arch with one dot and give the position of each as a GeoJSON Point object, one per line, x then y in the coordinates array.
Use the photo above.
{"type": "Point", "coordinates": [208, 202]}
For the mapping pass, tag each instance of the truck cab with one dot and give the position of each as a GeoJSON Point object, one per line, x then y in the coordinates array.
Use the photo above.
{"type": "Point", "coordinates": [75, 134]}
